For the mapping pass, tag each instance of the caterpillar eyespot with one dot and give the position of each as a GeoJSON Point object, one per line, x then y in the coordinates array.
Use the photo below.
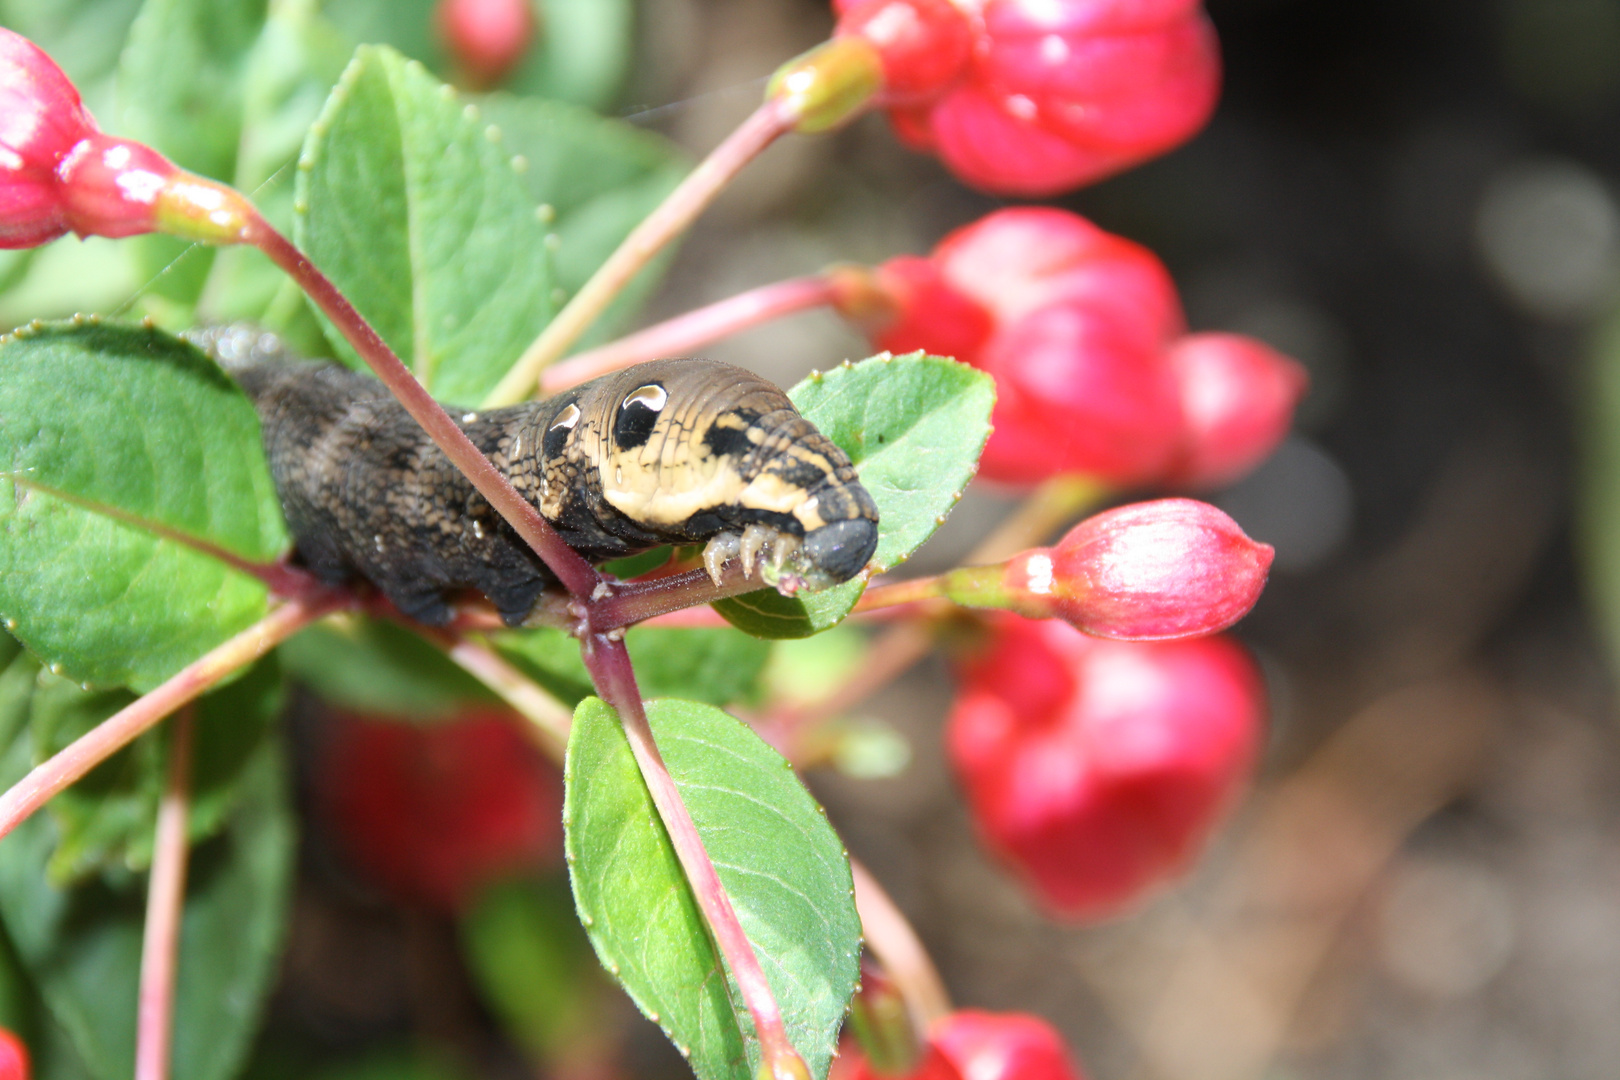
{"type": "Point", "coordinates": [672, 451]}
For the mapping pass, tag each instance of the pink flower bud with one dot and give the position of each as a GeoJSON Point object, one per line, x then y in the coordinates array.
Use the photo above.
{"type": "Point", "coordinates": [111, 187]}
{"type": "Point", "coordinates": [41, 119]}
{"type": "Point", "coordinates": [14, 1063]}
{"type": "Point", "coordinates": [1073, 323]}
{"type": "Point", "coordinates": [486, 38]}
{"type": "Point", "coordinates": [1003, 1046]}
{"type": "Point", "coordinates": [1237, 403]}
{"type": "Point", "coordinates": [1097, 769]}
{"type": "Point", "coordinates": [925, 45]}
{"type": "Point", "coordinates": [1058, 93]}
{"type": "Point", "coordinates": [1153, 571]}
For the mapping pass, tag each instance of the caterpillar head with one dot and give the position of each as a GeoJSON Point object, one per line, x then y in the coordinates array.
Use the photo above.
{"type": "Point", "coordinates": [689, 451]}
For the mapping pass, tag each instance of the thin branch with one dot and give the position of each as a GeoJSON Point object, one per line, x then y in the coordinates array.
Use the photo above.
{"type": "Point", "coordinates": [550, 720]}
{"type": "Point", "coordinates": [680, 335]}
{"type": "Point", "coordinates": [636, 601]}
{"type": "Point", "coordinates": [899, 950]}
{"type": "Point", "coordinates": [165, 906]}
{"type": "Point", "coordinates": [119, 729]}
{"type": "Point", "coordinates": [609, 664]}
{"type": "Point", "coordinates": [577, 575]}
{"type": "Point", "coordinates": [673, 216]}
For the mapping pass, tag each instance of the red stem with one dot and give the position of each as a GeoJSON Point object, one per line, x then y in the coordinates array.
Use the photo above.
{"type": "Point", "coordinates": [673, 216]}
{"type": "Point", "coordinates": [577, 575]}
{"type": "Point", "coordinates": [636, 601]}
{"type": "Point", "coordinates": [609, 664]}
{"type": "Point", "coordinates": [119, 729]}
{"type": "Point", "coordinates": [898, 949]}
{"type": "Point", "coordinates": [684, 333]}
{"type": "Point", "coordinates": [165, 906]}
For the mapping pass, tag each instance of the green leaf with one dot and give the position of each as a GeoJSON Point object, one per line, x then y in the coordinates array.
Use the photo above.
{"type": "Point", "coordinates": [914, 427]}
{"type": "Point", "coordinates": [370, 666]}
{"type": "Point", "coordinates": [782, 864]}
{"type": "Point", "coordinates": [180, 90]}
{"type": "Point", "coordinates": [528, 955]}
{"type": "Point", "coordinates": [581, 53]}
{"type": "Point", "coordinates": [601, 178]}
{"type": "Point", "coordinates": [411, 205]}
{"type": "Point", "coordinates": [82, 946]}
{"type": "Point", "coordinates": [107, 819]}
{"type": "Point", "coordinates": [126, 458]}
{"type": "Point", "coordinates": [84, 37]}
{"type": "Point", "coordinates": [713, 665]}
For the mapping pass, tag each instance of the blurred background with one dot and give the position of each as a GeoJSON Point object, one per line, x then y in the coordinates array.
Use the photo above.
{"type": "Point", "coordinates": [1416, 199]}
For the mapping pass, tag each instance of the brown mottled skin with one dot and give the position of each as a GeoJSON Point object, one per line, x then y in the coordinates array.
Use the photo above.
{"type": "Point", "coordinates": [366, 492]}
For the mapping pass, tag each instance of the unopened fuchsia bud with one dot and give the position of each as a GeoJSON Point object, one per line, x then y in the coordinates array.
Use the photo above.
{"type": "Point", "coordinates": [1054, 93]}
{"type": "Point", "coordinates": [41, 119]}
{"type": "Point", "coordinates": [1153, 571]}
{"type": "Point", "coordinates": [60, 173]}
{"type": "Point", "coordinates": [1237, 403]}
{"type": "Point", "coordinates": [486, 38]}
{"type": "Point", "coordinates": [1003, 1046]}
{"type": "Point", "coordinates": [1097, 769]}
{"type": "Point", "coordinates": [1073, 323]}
{"type": "Point", "coordinates": [925, 45]}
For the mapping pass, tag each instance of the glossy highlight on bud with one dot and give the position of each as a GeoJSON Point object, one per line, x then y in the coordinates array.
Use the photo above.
{"type": "Point", "coordinates": [829, 85]}
{"type": "Point", "coordinates": [1003, 1046]}
{"type": "Point", "coordinates": [925, 45]}
{"type": "Point", "coordinates": [1097, 769]}
{"type": "Point", "coordinates": [1153, 571]}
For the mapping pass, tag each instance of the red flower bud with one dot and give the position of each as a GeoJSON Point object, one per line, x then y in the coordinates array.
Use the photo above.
{"type": "Point", "coordinates": [1003, 1046]}
{"type": "Point", "coordinates": [1153, 571]}
{"type": "Point", "coordinates": [41, 119]}
{"type": "Point", "coordinates": [1073, 323]}
{"type": "Point", "coordinates": [1054, 93]}
{"type": "Point", "coordinates": [434, 812]}
{"type": "Point", "coordinates": [486, 38]}
{"type": "Point", "coordinates": [1237, 403]}
{"type": "Point", "coordinates": [851, 1064]}
{"type": "Point", "coordinates": [1098, 768]}
{"type": "Point", "coordinates": [925, 45]}
{"type": "Point", "coordinates": [111, 187]}
{"type": "Point", "coordinates": [14, 1064]}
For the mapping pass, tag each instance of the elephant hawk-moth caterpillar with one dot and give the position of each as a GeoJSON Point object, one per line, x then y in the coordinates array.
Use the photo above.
{"type": "Point", "coordinates": [667, 452]}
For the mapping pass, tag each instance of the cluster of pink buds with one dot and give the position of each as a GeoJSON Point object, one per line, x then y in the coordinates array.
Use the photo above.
{"type": "Point", "coordinates": [1034, 97]}
{"type": "Point", "coordinates": [1084, 334]}
{"type": "Point", "coordinates": [432, 813]}
{"type": "Point", "coordinates": [60, 173]}
{"type": "Point", "coordinates": [970, 1044]}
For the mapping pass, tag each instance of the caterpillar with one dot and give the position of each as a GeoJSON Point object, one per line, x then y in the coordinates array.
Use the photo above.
{"type": "Point", "coordinates": [666, 452]}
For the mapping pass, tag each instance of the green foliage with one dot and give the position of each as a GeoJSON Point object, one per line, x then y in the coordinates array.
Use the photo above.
{"type": "Point", "coordinates": [914, 427]}
{"type": "Point", "coordinates": [527, 952]}
{"type": "Point", "coordinates": [718, 666]}
{"type": "Point", "coordinates": [782, 864]}
{"type": "Point", "coordinates": [126, 459]}
{"type": "Point", "coordinates": [370, 666]}
{"type": "Point", "coordinates": [409, 202]}
{"type": "Point", "coordinates": [81, 945]}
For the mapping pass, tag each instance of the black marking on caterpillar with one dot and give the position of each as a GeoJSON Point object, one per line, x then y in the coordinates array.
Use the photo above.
{"type": "Point", "coordinates": [673, 451]}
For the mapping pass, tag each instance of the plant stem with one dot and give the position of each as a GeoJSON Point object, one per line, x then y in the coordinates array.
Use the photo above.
{"type": "Point", "coordinates": [898, 949]}
{"type": "Point", "coordinates": [549, 718]}
{"type": "Point", "coordinates": [119, 729]}
{"type": "Point", "coordinates": [672, 218]}
{"type": "Point", "coordinates": [635, 601]}
{"type": "Point", "coordinates": [680, 335]}
{"type": "Point", "coordinates": [165, 905]}
{"type": "Point", "coordinates": [577, 575]}
{"type": "Point", "coordinates": [1049, 506]}
{"type": "Point", "coordinates": [609, 665]}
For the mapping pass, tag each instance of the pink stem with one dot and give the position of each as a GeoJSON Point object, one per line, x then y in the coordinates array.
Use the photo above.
{"type": "Point", "coordinates": [549, 719]}
{"type": "Point", "coordinates": [577, 575]}
{"type": "Point", "coordinates": [165, 906]}
{"type": "Point", "coordinates": [680, 335]}
{"type": "Point", "coordinates": [900, 951]}
{"type": "Point", "coordinates": [635, 601]}
{"type": "Point", "coordinates": [119, 729]}
{"type": "Point", "coordinates": [673, 216]}
{"type": "Point", "coordinates": [609, 664]}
